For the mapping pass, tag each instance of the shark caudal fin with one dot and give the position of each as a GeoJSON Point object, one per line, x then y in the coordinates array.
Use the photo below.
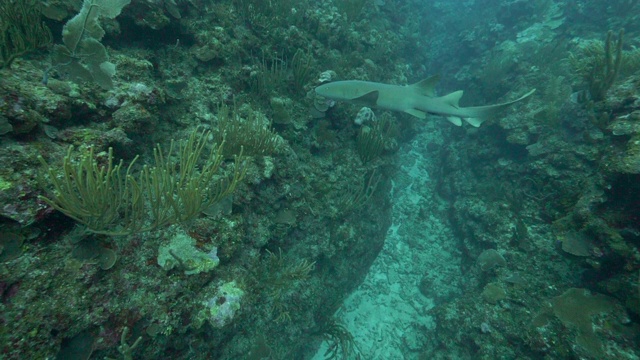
{"type": "Point", "coordinates": [479, 114]}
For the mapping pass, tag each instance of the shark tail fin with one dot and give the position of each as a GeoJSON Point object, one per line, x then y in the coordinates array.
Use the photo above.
{"type": "Point", "coordinates": [479, 114]}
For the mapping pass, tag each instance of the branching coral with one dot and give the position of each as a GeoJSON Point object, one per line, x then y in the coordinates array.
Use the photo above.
{"type": "Point", "coordinates": [21, 30]}
{"type": "Point", "coordinates": [251, 136]}
{"type": "Point", "coordinates": [109, 200]}
{"type": "Point", "coordinates": [599, 64]}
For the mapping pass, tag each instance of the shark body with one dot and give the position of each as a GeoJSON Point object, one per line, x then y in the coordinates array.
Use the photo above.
{"type": "Point", "coordinates": [418, 99]}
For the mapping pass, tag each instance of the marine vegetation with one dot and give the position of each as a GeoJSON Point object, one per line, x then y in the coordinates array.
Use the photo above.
{"type": "Point", "coordinates": [109, 199]}
{"type": "Point", "coordinates": [21, 30]}
{"type": "Point", "coordinates": [599, 65]}
{"type": "Point", "coordinates": [252, 136]}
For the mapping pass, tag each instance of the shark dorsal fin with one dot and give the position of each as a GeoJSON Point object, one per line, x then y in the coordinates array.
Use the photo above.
{"type": "Point", "coordinates": [453, 99]}
{"type": "Point", "coordinates": [369, 99]}
{"type": "Point", "coordinates": [427, 86]}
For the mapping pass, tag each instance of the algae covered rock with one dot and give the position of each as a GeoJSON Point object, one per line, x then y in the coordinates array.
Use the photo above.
{"type": "Point", "coordinates": [181, 252]}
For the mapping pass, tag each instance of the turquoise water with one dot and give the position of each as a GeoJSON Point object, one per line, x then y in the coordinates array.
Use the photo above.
{"type": "Point", "coordinates": [354, 179]}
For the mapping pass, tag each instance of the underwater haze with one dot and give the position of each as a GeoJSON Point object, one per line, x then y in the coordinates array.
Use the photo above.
{"type": "Point", "coordinates": [319, 180]}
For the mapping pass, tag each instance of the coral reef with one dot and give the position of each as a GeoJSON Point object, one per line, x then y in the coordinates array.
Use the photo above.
{"type": "Point", "coordinates": [247, 238]}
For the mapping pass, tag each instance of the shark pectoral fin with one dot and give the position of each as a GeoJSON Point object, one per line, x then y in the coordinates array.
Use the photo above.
{"type": "Point", "coordinates": [417, 113]}
{"type": "Point", "coordinates": [455, 120]}
{"type": "Point", "coordinates": [369, 99]}
{"type": "Point", "coordinates": [453, 99]}
{"type": "Point", "coordinates": [427, 86]}
{"type": "Point", "coordinates": [475, 122]}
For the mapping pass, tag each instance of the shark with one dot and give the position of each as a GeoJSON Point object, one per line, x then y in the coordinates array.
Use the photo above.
{"type": "Point", "coordinates": [417, 99]}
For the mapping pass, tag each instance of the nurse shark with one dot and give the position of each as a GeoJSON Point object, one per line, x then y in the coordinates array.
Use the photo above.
{"type": "Point", "coordinates": [417, 99]}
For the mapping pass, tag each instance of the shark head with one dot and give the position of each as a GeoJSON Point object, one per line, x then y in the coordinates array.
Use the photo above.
{"type": "Point", "coordinates": [332, 91]}
{"type": "Point", "coordinates": [354, 91]}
